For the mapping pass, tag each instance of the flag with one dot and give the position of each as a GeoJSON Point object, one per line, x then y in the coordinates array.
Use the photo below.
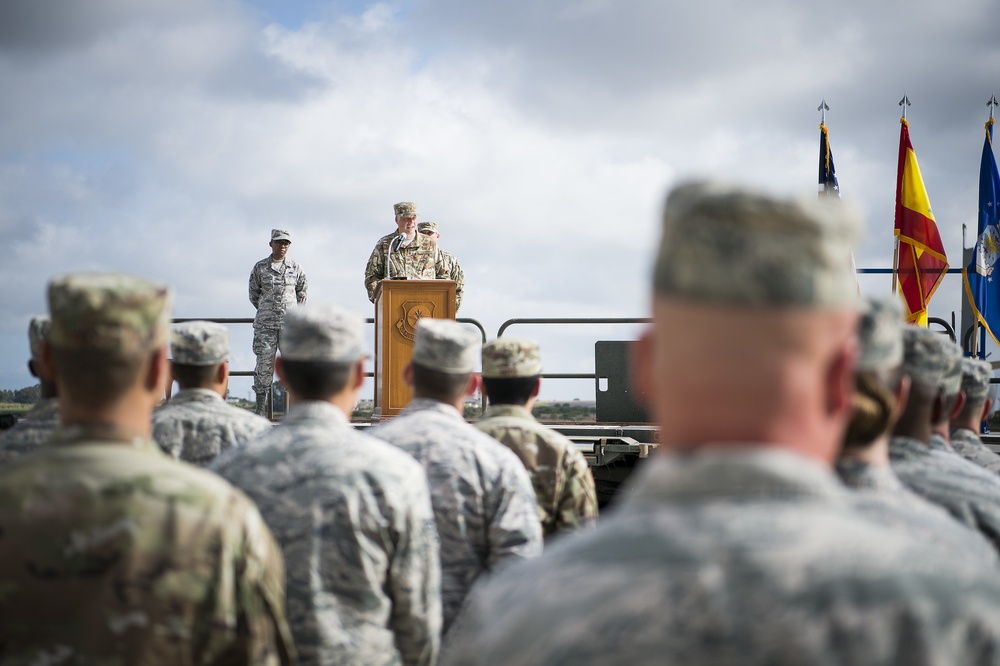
{"type": "Point", "coordinates": [981, 286]}
{"type": "Point", "coordinates": [827, 173]}
{"type": "Point", "coordinates": [921, 263]}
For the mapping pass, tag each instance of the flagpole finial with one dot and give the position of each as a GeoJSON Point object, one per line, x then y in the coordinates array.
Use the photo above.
{"type": "Point", "coordinates": [992, 104]}
{"type": "Point", "coordinates": [822, 108]}
{"type": "Point", "coordinates": [905, 102]}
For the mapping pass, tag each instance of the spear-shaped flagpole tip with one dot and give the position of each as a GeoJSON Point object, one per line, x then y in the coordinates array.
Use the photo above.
{"type": "Point", "coordinates": [822, 108]}
{"type": "Point", "coordinates": [905, 102]}
{"type": "Point", "coordinates": [992, 104]}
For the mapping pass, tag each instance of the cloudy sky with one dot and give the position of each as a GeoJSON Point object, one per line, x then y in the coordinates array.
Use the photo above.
{"type": "Point", "coordinates": [165, 138]}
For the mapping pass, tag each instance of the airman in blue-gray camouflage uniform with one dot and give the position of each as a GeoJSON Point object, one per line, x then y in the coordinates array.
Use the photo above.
{"type": "Point", "coordinates": [738, 544]}
{"type": "Point", "coordinates": [197, 424]}
{"type": "Point", "coordinates": [978, 405]}
{"type": "Point", "coordinates": [970, 493]}
{"type": "Point", "coordinates": [111, 552]}
{"type": "Point", "coordinates": [352, 514]}
{"type": "Point", "coordinates": [484, 504]}
{"type": "Point", "coordinates": [42, 419]}
{"type": "Point", "coordinates": [276, 283]}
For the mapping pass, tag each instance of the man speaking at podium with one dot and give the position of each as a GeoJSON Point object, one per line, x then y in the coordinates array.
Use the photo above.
{"type": "Point", "coordinates": [404, 254]}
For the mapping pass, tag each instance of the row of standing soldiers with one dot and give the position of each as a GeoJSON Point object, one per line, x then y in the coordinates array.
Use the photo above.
{"type": "Point", "coordinates": [820, 494]}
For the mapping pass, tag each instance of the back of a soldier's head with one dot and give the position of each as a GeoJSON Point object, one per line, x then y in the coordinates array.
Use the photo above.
{"type": "Point", "coordinates": [444, 356]}
{"type": "Point", "coordinates": [976, 376]}
{"type": "Point", "coordinates": [104, 329]}
{"type": "Point", "coordinates": [933, 363]}
{"type": "Point", "coordinates": [321, 346]}
{"type": "Point", "coordinates": [511, 369]}
{"type": "Point", "coordinates": [197, 348]}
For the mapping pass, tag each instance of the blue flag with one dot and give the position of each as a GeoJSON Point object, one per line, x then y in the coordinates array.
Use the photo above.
{"type": "Point", "coordinates": [827, 172]}
{"type": "Point", "coordinates": [982, 280]}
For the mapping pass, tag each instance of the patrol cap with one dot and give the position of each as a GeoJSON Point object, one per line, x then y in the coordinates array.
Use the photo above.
{"type": "Point", "coordinates": [976, 379]}
{"type": "Point", "coordinates": [108, 312]}
{"type": "Point", "coordinates": [729, 246]}
{"type": "Point", "coordinates": [323, 333]}
{"type": "Point", "coordinates": [199, 343]}
{"type": "Point", "coordinates": [925, 358]}
{"type": "Point", "coordinates": [511, 357]}
{"type": "Point", "coordinates": [280, 234]}
{"type": "Point", "coordinates": [951, 382]}
{"type": "Point", "coordinates": [446, 346]}
{"type": "Point", "coordinates": [405, 208]}
{"type": "Point", "coordinates": [38, 331]}
{"type": "Point", "coordinates": [880, 332]}
{"type": "Point", "coordinates": [427, 226]}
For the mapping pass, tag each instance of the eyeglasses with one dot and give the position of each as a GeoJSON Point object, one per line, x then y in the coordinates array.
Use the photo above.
{"type": "Point", "coordinates": [283, 243]}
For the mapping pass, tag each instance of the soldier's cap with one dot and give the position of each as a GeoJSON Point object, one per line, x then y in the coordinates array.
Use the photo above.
{"type": "Point", "coordinates": [976, 379]}
{"type": "Point", "coordinates": [280, 234]}
{"type": "Point", "coordinates": [38, 332]}
{"type": "Point", "coordinates": [511, 357]}
{"type": "Point", "coordinates": [729, 246]}
{"type": "Point", "coordinates": [446, 346]}
{"type": "Point", "coordinates": [199, 343]}
{"type": "Point", "coordinates": [108, 312]}
{"type": "Point", "coordinates": [323, 333]}
{"type": "Point", "coordinates": [425, 226]}
{"type": "Point", "coordinates": [880, 333]}
{"type": "Point", "coordinates": [931, 359]}
{"type": "Point", "coordinates": [404, 208]}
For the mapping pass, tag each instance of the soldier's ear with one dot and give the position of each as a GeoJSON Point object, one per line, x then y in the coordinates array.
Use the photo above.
{"type": "Point", "coordinates": [408, 374]}
{"type": "Point", "coordinates": [359, 374]}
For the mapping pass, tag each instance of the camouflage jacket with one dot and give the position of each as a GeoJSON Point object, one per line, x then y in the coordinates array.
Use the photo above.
{"type": "Point", "coordinates": [484, 505]}
{"type": "Point", "coordinates": [967, 491]}
{"type": "Point", "coordinates": [271, 292]}
{"type": "Point", "coordinates": [112, 553]}
{"type": "Point", "coordinates": [421, 260]}
{"type": "Point", "coordinates": [564, 486]}
{"type": "Point", "coordinates": [970, 446]}
{"type": "Point", "coordinates": [733, 557]}
{"type": "Point", "coordinates": [861, 475]}
{"type": "Point", "coordinates": [31, 431]}
{"type": "Point", "coordinates": [448, 268]}
{"type": "Point", "coordinates": [354, 520]}
{"type": "Point", "coordinates": [196, 425]}
{"type": "Point", "coordinates": [939, 443]}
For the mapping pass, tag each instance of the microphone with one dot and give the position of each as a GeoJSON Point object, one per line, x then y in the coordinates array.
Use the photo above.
{"type": "Point", "coordinates": [398, 240]}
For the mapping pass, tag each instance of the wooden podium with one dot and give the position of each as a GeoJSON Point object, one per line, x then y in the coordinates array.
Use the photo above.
{"type": "Point", "coordinates": [398, 306]}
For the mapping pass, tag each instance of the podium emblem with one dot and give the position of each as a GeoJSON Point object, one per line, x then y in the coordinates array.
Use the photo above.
{"type": "Point", "coordinates": [412, 312]}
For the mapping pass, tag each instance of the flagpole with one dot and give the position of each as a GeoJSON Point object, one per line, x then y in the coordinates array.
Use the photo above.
{"type": "Point", "coordinates": [905, 102]}
{"type": "Point", "coordinates": [991, 104]}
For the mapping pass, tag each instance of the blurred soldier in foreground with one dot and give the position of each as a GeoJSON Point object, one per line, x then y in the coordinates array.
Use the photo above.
{"type": "Point", "coordinates": [36, 426]}
{"type": "Point", "coordinates": [738, 544]}
{"type": "Point", "coordinates": [880, 394]}
{"type": "Point", "coordinates": [969, 492]}
{"type": "Point", "coordinates": [978, 405]}
{"type": "Point", "coordinates": [446, 267]}
{"type": "Point", "coordinates": [353, 514]}
{"type": "Point", "coordinates": [484, 505]}
{"type": "Point", "coordinates": [276, 283]}
{"type": "Point", "coordinates": [564, 486]}
{"type": "Point", "coordinates": [197, 424]}
{"type": "Point", "coordinates": [110, 552]}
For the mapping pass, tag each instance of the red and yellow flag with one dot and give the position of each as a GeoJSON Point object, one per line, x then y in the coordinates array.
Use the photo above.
{"type": "Point", "coordinates": [921, 263]}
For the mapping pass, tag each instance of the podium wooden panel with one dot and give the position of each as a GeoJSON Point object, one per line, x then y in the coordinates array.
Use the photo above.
{"type": "Point", "coordinates": [399, 304]}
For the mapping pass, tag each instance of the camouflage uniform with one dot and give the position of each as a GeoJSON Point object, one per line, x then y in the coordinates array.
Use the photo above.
{"type": "Point", "coordinates": [448, 268]}
{"type": "Point", "coordinates": [735, 558]}
{"type": "Point", "coordinates": [419, 259]}
{"type": "Point", "coordinates": [968, 445]}
{"type": "Point", "coordinates": [939, 443]}
{"type": "Point", "coordinates": [196, 425]}
{"type": "Point", "coordinates": [976, 386]}
{"type": "Point", "coordinates": [352, 514]}
{"type": "Point", "coordinates": [31, 431]}
{"type": "Point", "coordinates": [271, 293]}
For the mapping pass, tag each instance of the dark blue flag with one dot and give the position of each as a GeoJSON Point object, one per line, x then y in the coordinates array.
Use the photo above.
{"type": "Point", "coordinates": [982, 280]}
{"type": "Point", "coordinates": [827, 173]}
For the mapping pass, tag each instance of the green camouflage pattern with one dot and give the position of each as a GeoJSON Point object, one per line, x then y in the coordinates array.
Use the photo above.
{"type": "Point", "coordinates": [111, 553]}
{"type": "Point", "coordinates": [446, 346]}
{"type": "Point", "coordinates": [970, 446]}
{"type": "Point", "coordinates": [199, 343]}
{"type": "Point", "coordinates": [751, 558]}
{"type": "Point", "coordinates": [108, 312]}
{"type": "Point", "coordinates": [563, 483]}
{"type": "Point", "coordinates": [448, 268]}
{"type": "Point", "coordinates": [324, 333]}
{"type": "Point", "coordinates": [32, 431]}
{"type": "Point", "coordinates": [511, 357]}
{"type": "Point", "coordinates": [404, 208]}
{"type": "Point", "coordinates": [420, 259]}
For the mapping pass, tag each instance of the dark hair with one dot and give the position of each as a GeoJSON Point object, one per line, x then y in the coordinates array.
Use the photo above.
{"type": "Point", "coordinates": [95, 379]}
{"type": "Point", "coordinates": [437, 385]}
{"type": "Point", "coordinates": [509, 390]}
{"type": "Point", "coordinates": [316, 380]}
{"type": "Point", "coordinates": [873, 402]}
{"type": "Point", "coordinates": [194, 376]}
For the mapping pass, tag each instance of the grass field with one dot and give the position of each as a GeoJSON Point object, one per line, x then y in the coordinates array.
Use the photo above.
{"type": "Point", "coordinates": [14, 408]}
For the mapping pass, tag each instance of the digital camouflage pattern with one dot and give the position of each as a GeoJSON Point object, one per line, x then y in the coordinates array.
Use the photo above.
{"type": "Point", "coordinates": [862, 475]}
{"type": "Point", "coordinates": [925, 359]}
{"type": "Point", "coordinates": [484, 505]}
{"type": "Point", "coordinates": [353, 517]}
{"type": "Point", "coordinates": [727, 246]}
{"type": "Point", "coordinates": [325, 333]}
{"type": "Point", "coordinates": [280, 234]}
{"type": "Point", "coordinates": [970, 446]}
{"type": "Point", "coordinates": [752, 558]}
{"type": "Point", "coordinates": [111, 553]}
{"type": "Point", "coordinates": [420, 259]}
{"type": "Point", "coordinates": [199, 343]}
{"type": "Point", "coordinates": [880, 334]}
{"type": "Point", "coordinates": [32, 431]}
{"type": "Point", "coordinates": [564, 486]}
{"type": "Point", "coordinates": [272, 293]}
{"type": "Point", "coordinates": [511, 357]}
{"type": "Point", "coordinates": [446, 346]}
{"type": "Point", "coordinates": [196, 425]}
{"type": "Point", "coordinates": [968, 492]}
{"type": "Point", "coordinates": [939, 443]}
{"type": "Point", "coordinates": [976, 376]}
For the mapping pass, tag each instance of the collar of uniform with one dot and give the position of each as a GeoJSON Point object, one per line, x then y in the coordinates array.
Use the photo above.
{"type": "Point", "coordinates": [939, 443]}
{"type": "Point", "coordinates": [965, 432]}
{"type": "Point", "coordinates": [308, 410]}
{"type": "Point", "coordinates": [196, 395]}
{"type": "Point", "coordinates": [736, 471]}
{"type": "Point", "coordinates": [507, 410]}
{"type": "Point", "coordinates": [428, 405]}
{"type": "Point", "coordinates": [43, 406]}
{"type": "Point", "coordinates": [862, 474]}
{"type": "Point", "coordinates": [105, 433]}
{"type": "Point", "coordinates": [907, 447]}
